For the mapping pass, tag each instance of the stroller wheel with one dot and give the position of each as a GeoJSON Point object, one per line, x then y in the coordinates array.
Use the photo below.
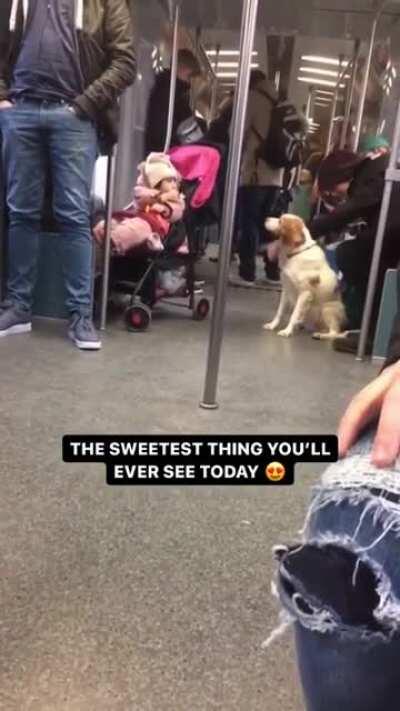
{"type": "Point", "coordinates": [138, 317]}
{"type": "Point", "coordinates": [201, 310]}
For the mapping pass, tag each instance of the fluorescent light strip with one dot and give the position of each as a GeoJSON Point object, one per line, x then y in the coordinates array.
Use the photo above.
{"type": "Point", "coordinates": [322, 82]}
{"type": "Point", "coordinates": [315, 70]}
{"type": "Point", "coordinates": [232, 65]}
{"type": "Point", "coordinates": [226, 53]}
{"type": "Point", "coordinates": [324, 60]}
{"type": "Point", "coordinates": [227, 75]}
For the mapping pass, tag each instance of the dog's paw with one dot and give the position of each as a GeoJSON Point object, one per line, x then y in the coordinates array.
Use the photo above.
{"type": "Point", "coordinates": [317, 336]}
{"type": "Point", "coordinates": [271, 326]}
{"type": "Point", "coordinates": [286, 333]}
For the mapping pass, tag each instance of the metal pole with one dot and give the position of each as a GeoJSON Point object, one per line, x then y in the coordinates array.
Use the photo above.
{"type": "Point", "coordinates": [214, 91]}
{"type": "Point", "coordinates": [350, 94]}
{"type": "Point", "coordinates": [392, 176]}
{"type": "Point", "coordinates": [341, 75]}
{"type": "Point", "coordinates": [331, 122]}
{"type": "Point", "coordinates": [107, 242]}
{"type": "Point", "coordinates": [174, 71]}
{"type": "Point", "coordinates": [249, 19]}
{"type": "Point", "coordinates": [309, 107]}
{"type": "Point", "coordinates": [367, 70]}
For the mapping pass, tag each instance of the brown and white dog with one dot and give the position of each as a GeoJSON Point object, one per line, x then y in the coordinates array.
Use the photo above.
{"type": "Point", "coordinates": [309, 286]}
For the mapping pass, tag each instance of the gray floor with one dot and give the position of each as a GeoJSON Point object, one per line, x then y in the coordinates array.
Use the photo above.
{"type": "Point", "coordinates": [150, 599]}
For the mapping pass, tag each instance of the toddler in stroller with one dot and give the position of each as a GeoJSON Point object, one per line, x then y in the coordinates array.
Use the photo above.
{"type": "Point", "coordinates": [157, 204]}
{"type": "Point", "coordinates": [153, 251]}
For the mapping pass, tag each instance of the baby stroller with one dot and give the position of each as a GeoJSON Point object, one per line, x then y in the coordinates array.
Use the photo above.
{"type": "Point", "coordinates": [148, 278]}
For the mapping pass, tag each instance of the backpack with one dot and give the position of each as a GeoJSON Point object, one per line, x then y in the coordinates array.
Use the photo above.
{"type": "Point", "coordinates": [283, 148]}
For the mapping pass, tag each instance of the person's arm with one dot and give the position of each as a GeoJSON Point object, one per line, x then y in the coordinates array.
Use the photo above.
{"type": "Point", "coordinates": [380, 400]}
{"type": "Point", "coordinates": [121, 69]}
{"type": "Point", "coordinates": [4, 69]}
{"type": "Point", "coordinates": [344, 215]}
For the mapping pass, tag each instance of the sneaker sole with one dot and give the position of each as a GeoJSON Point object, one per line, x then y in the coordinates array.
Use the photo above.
{"type": "Point", "coordinates": [18, 328]}
{"type": "Point", "coordinates": [87, 345]}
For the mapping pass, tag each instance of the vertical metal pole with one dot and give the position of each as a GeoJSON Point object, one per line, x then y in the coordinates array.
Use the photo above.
{"type": "Point", "coordinates": [392, 175]}
{"type": "Point", "coordinates": [367, 70]}
{"type": "Point", "coordinates": [249, 19]}
{"type": "Point", "coordinates": [310, 101]}
{"type": "Point", "coordinates": [111, 163]}
{"type": "Point", "coordinates": [332, 121]}
{"type": "Point", "coordinates": [214, 90]}
{"type": "Point", "coordinates": [277, 80]}
{"type": "Point", "coordinates": [174, 71]}
{"type": "Point", "coordinates": [350, 93]}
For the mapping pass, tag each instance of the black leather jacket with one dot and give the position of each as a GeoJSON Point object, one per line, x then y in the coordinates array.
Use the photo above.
{"type": "Point", "coordinates": [107, 56]}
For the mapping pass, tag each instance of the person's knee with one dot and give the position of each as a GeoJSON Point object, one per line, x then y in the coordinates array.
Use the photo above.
{"type": "Point", "coordinates": [72, 215]}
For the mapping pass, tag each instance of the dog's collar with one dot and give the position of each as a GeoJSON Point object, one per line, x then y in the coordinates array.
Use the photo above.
{"type": "Point", "coordinates": [300, 251]}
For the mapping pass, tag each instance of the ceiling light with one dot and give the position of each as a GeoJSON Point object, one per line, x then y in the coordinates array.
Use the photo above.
{"type": "Point", "coordinates": [315, 70]}
{"type": "Point", "coordinates": [227, 75]}
{"type": "Point", "coordinates": [322, 82]}
{"type": "Point", "coordinates": [226, 53]}
{"type": "Point", "coordinates": [325, 60]}
{"type": "Point", "coordinates": [231, 65]}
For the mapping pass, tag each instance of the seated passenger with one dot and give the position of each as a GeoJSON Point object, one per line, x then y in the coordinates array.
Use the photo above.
{"type": "Point", "coordinates": [352, 185]}
{"type": "Point", "coordinates": [158, 204]}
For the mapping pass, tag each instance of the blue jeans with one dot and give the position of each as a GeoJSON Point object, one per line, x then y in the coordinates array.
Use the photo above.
{"type": "Point", "coordinates": [341, 589]}
{"type": "Point", "coordinates": [36, 137]}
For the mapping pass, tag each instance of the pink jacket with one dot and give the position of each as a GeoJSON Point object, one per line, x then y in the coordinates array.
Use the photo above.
{"type": "Point", "coordinates": [200, 163]}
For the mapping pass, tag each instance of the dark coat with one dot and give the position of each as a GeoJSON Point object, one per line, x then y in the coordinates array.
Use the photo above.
{"type": "Point", "coordinates": [157, 111]}
{"type": "Point", "coordinates": [107, 57]}
{"type": "Point", "coordinates": [364, 201]}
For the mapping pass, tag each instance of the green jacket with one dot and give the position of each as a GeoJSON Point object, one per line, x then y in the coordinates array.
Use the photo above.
{"type": "Point", "coordinates": [106, 49]}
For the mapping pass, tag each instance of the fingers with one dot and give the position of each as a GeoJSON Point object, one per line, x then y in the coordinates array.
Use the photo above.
{"type": "Point", "coordinates": [387, 442]}
{"type": "Point", "coordinates": [362, 410]}
{"type": "Point", "coordinates": [358, 415]}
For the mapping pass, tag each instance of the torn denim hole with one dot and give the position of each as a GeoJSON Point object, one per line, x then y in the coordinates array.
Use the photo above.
{"type": "Point", "coordinates": [319, 589]}
{"type": "Point", "coordinates": [331, 582]}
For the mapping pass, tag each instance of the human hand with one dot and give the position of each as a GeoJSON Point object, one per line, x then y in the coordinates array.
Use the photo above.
{"type": "Point", "coordinates": [5, 104]}
{"type": "Point", "coordinates": [379, 400]}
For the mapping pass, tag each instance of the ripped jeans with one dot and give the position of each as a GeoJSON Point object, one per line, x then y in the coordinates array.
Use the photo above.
{"type": "Point", "coordinates": [341, 589]}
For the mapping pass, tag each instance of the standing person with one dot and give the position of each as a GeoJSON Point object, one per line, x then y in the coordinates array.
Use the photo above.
{"type": "Point", "coordinates": [157, 111]}
{"type": "Point", "coordinates": [260, 184]}
{"type": "Point", "coordinates": [63, 66]}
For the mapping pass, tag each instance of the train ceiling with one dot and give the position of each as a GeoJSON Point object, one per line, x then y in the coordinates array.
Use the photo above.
{"type": "Point", "coordinates": [320, 18]}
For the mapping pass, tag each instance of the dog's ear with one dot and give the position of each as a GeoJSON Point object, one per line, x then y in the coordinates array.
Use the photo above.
{"type": "Point", "coordinates": [292, 231]}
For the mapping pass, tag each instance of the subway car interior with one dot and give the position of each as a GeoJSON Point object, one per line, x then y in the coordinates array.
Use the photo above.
{"type": "Point", "coordinates": [159, 599]}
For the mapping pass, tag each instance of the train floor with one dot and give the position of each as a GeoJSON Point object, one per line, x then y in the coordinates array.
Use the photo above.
{"type": "Point", "coordinates": [151, 599]}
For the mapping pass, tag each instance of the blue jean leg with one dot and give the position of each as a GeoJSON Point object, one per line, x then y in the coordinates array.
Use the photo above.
{"type": "Point", "coordinates": [23, 155]}
{"type": "Point", "coordinates": [73, 151]}
{"type": "Point", "coordinates": [341, 587]}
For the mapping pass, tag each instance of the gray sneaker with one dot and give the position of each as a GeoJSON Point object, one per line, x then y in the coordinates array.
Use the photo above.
{"type": "Point", "coordinates": [83, 333]}
{"type": "Point", "coordinates": [14, 320]}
